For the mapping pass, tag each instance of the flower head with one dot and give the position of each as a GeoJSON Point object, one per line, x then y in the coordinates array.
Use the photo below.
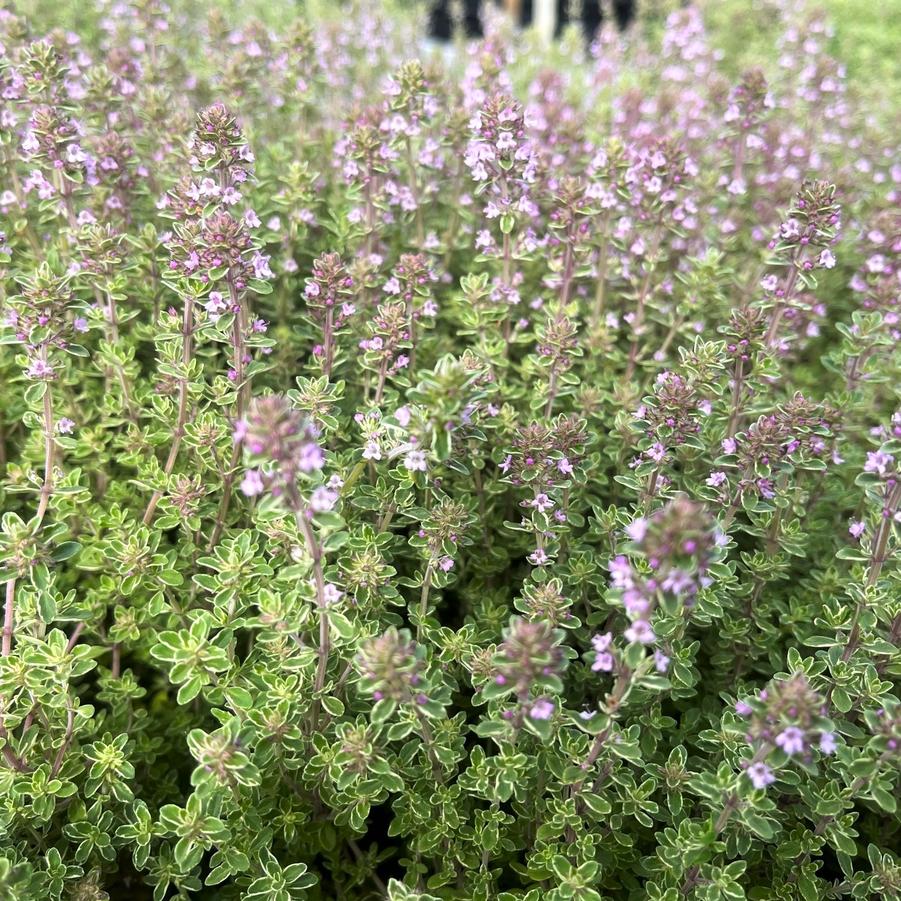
{"type": "Point", "coordinates": [760, 775]}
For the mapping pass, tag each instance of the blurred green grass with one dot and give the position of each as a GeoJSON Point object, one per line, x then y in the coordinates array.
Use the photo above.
{"type": "Point", "coordinates": [867, 38]}
{"type": "Point", "coordinates": [867, 32]}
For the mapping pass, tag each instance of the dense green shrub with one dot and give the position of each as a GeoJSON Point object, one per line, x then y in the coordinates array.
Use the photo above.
{"type": "Point", "coordinates": [475, 478]}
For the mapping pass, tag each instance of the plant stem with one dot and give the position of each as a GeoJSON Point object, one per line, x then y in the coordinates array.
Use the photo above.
{"type": "Point", "coordinates": [779, 309]}
{"type": "Point", "coordinates": [314, 548]}
{"type": "Point", "coordinates": [601, 286]}
{"type": "Point", "coordinates": [109, 307]}
{"type": "Point", "coordinates": [737, 386]}
{"type": "Point", "coordinates": [551, 393]}
{"type": "Point", "coordinates": [877, 560]}
{"type": "Point", "coordinates": [415, 191]}
{"type": "Point", "coordinates": [424, 598]}
{"type": "Point", "coordinates": [691, 879]}
{"type": "Point", "coordinates": [9, 610]}
{"type": "Point", "coordinates": [9, 617]}
{"type": "Point", "coordinates": [181, 420]}
{"type": "Point", "coordinates": [638, 323]}
{"type": "Point", "coordinates": [429, 742]}
{"type": "Point", "coordinates": [49, 447]}
{"type": "Point", "coordinates": [67, 739]}
{"type": "Point", "coordinates": [240, 408]}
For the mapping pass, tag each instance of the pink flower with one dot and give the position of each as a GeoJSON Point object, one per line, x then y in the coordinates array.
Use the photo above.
{"type": "Point", "coordinates": [603, 661]}
{"type": "Point", "coordinates": [827, 743]}
{"type": "Point", "coordinates": [252, 483]}
{"type": "Point", "coordinates": [791, 740]}
{"type": "Point", "coordinates": [878, 461]}
{"type": "Point", "coordinates": [538, 557]}
{"type": "Point", "coordinates": [620, 571]}
{"type": "Point", "coordinates": [330, 593]}
{"type": "Point", "coordinates": [260, 263]}
{"type": "Point", "coordinates": [857, 528]}
{"type": "Point", "coordinates": [760, 775]}
{"type": "Point", "coordinates": [637, 529]}
{"type": "Point", "coordinates": [641, 632]}
{"type": "Point", "coordinates": [541, 503]}
{"type": "Point", "coordinates": [542, 709]}
{"type": "Point", "coordinates": [415, 461]}
{"type": "Point", "coordinates": [39, 369]}
{"type": "Point", "coordinates": [323, 499]}
{"type": "Point", "coordinates": [311, 457]}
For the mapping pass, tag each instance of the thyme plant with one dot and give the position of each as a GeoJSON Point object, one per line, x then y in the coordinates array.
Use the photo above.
{"type": "Point", "coordinates": [430, 478]}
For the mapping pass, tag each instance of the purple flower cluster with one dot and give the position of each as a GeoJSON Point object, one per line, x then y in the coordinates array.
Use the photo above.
{"type": "Point", "coordinates": [785, 721]}
{"type": "Point", "coordinates": [391, 668]}
{"type": "Point", "coordinates": [42, 321]}
{"type": "Point", "coordinates": [798, 433]}
{"type": "Point", "coordinates": [527, 664]}
{"type": "Point", "coordinates": [677, 544]}
{"type": "Point", "coordinates": [283, 445]}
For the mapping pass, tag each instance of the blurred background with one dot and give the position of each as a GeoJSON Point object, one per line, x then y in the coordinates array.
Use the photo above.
{"type": "Point", "coordinates": [867, 32]}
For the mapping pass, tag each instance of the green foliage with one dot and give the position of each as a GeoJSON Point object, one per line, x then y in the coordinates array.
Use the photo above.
{"type": "Point", "coordinates": [411, 493]}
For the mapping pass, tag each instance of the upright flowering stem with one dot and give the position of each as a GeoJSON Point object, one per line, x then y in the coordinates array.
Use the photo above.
{"type": "Point", "coordinates": [551, 394]}
{"type": "Point", "coordinates": [277, 435]}
{"type": "Point", "coordinates": [735, 408]}
{"type": "Point", "coordinates": [329, 341]}
{"type": "Point", "coordinates": [557, 348]}
{"type": "Point", "coordinates": [877, 560]}
{"type": "Point", "coordinates": [182, 417]}
{"type": "Point", "coordinates": [779, 310]}
{"type": "Point", "coordinates": [813, 224]}
{"type": "Point", "coordinates": [568, 262]}
{"type": "Point", "coordinates": [113, 338]}
{"type": "Point", "coordinates": [238, 348]}
{"type": "Point", "coordinates": [601, 276]}
{"type": "Point", "coordinates": [210, 242]}
{"type": "Point", "coordinates": [315, 551]}
{"type": "Point", "coordinates": [506, 278]}
{"type": "Point", "coordinates": [9, 611]}
{"type": "Point", "coordinates": [416, 192]}
{"type": "Point", "coordinates": [730, 806]}
{"type": "Point", "coordinates": [643, 293]}
{"type": "Point", "coordinates": [429, 742]}
{"type": "Point", "coordinates": [240, 407]}
{"type": "Point", "coordinates": [9, 617]}
{"type": "Point", "coordinates": [49, 448]}
{"type": "Point", "coordinates": [424, 598]}
{"type": "Point", "coordinates": [624, 682]}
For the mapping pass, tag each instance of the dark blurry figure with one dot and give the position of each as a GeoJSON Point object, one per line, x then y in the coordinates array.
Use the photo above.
{"type": "Point", "coordinates": [592, 15]}
{"type": "Point", "coordinates": [624, 13]}
{"type": "Point", "coordinates": [441, 23]}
